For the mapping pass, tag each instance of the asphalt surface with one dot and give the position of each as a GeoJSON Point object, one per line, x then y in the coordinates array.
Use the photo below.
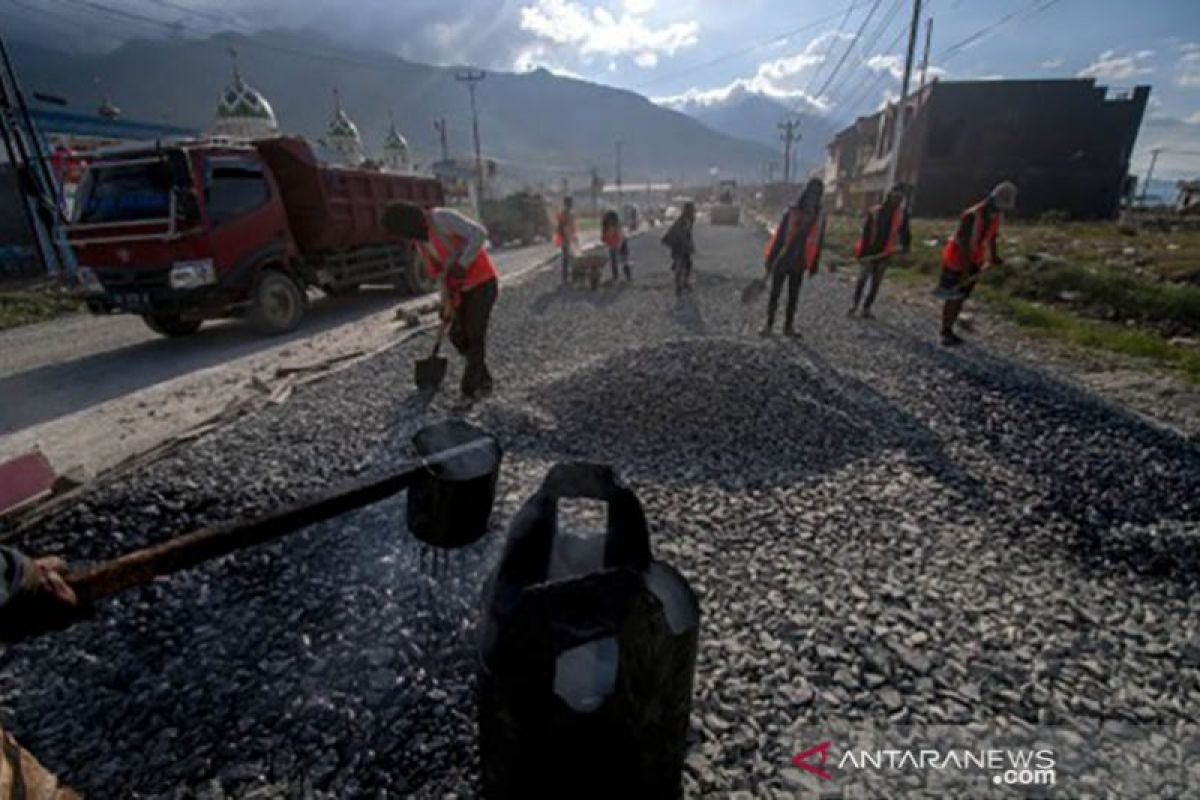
{"type": "Point", "coordinates": [78, 361]}
{"type": "Point", "coordinates": [879, 530]}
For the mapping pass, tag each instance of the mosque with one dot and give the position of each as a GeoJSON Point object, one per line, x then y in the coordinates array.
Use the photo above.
{"type": "Point", "coordinates": [244, 113]}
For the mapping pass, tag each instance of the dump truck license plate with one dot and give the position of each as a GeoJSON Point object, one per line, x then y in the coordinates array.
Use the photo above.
{"type": "Point", "coordinates": [133, 301]}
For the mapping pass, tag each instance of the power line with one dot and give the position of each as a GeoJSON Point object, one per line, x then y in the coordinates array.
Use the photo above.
{"type": "Point", "coordinates": [865, 49]}
{"type": "Point", "coordinates": [1031, 10]}
{"type": "Point", "coordinates": [750, 48]}
{"type": "Point", "coordinates": [828, 52]}
{"type": "Point", "coordinates": [849, 47]}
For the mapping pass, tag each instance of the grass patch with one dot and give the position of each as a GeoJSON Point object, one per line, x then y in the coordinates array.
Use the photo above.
{"type": "Point", "coordinates": [30, 306]}
{"type": "Point", "coordinates": [1096, 335]}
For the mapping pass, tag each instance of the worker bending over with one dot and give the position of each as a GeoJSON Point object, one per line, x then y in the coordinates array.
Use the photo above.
{"type": "Point", "coordinates": [967, 252]}
{"type": "Point", "coordinates": [455, 251]}
{"type": "Point", "coordinates": [793, 250]}
{"type": "Point", "coordinates": [885, 230]}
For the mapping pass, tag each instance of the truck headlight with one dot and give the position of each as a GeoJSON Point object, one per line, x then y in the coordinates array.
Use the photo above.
{"type": "Point", "coordinates": [192, 274]}
{"type": "Point", "coordinates": [89, 282]}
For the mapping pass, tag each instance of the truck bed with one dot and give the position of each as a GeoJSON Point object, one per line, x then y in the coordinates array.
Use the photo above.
{"type": "Point", "coordinates": [334, 208]}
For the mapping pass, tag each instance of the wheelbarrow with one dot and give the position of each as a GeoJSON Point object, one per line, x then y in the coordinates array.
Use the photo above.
{"type": "Point", "coordinates": [451, 489]}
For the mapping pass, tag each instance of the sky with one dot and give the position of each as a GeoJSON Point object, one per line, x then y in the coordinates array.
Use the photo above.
{"type": "Point", "coordinates": [839, 57]}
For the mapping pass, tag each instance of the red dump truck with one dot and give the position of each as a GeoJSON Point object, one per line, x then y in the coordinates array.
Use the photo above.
{"type": "Point", "coordinates": [204, 229]}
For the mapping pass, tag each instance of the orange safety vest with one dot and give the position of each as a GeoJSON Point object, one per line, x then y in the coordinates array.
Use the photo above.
{"type": "Point", "coordinates": [894, 224]}
{"type": "Point", "coordinates": [812, 240]}
{"type": "Point", "coordinates": [981, 240]}
{"type": "Point", "coordinates": [564, 228]}
{"type": "Point", "coordinates": [479, 271]}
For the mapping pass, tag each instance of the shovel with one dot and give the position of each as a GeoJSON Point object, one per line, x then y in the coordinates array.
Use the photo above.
{"type": "Point", "coordinates": [451, 486]}
{"type": "Point", "coordinates": [430, 372]}
{"type": "Point", "coordinates": [955, 292]}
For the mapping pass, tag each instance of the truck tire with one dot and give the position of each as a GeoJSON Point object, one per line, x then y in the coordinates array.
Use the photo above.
{"type": "Point", "coordinates": [171, 325]}
{"type": "Point", "coordinates": [278, 304]}
{"type": "Point", "coordinates": [413, 279]}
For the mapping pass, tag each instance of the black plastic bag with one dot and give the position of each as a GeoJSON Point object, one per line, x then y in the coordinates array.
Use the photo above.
{"type": "Point", "coordinates": [585, 685]}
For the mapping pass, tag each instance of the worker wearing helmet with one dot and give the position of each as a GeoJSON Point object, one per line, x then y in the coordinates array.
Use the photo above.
{"type": "Point", "coordinates": [969, 252]}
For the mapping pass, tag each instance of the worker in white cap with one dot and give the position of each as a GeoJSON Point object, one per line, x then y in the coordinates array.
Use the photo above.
{"type": "Point", "coordinates": [969, 251]}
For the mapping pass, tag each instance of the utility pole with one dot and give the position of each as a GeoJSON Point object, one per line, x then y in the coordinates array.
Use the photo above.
{"type": "Point", "coordinates": [789, 132]}
{"type": "Point", "coordinates": [898, 138]}
{"type": "Point", "coordinates": [596, 186]}
{"type": "Point", "coordinates": [771, 172]}
{"type": "Point", "coordinates": [472, 77]}
{"type": "Point", "coordinates": [620, 144]}
{"type": "Point", "coordinates": [1150, 172]}
{"type": "Point", "coordinates": [439, 125]}
{"type": "Point", "coordinates": [925, 59]}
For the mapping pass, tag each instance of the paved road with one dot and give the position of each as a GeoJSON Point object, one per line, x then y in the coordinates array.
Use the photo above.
{"type": "Point", "coordinates": [72, 363]}
{"type": "Point", "coordinates": [880, 531]}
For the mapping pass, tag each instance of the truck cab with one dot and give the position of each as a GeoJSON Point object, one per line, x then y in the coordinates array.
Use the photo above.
{"type": "Point", "coordinates": [215, 228]}
{"type": "Point", "coordinates": [181, 234]}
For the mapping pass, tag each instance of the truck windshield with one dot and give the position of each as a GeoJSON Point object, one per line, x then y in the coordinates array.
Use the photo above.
{"type": "Point", "coordinates": [139, 189]}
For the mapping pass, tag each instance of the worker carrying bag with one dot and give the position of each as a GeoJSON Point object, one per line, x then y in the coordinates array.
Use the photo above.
{"type": "Point", "coordinates": [586, 669]}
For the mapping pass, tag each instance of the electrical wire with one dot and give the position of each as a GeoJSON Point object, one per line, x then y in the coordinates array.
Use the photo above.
{"type": "Point", "coordinates": [780, 37]}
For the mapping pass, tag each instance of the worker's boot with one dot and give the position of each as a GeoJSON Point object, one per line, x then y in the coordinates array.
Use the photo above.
{"type": "Point", "coordinates": [951, 339]}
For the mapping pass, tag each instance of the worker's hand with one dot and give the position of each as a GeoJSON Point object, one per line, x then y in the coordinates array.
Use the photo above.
{"type": "Point", "coordinates": [43, 602]}
{"type": "Point", "coordinates": [48, 578]}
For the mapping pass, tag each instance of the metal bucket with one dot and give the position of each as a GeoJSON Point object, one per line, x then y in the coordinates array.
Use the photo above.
{"type": "Point", "coordinates": [450, 499]}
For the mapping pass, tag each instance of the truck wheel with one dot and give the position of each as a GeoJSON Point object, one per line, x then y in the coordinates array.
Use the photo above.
{"type": "Point", "coordinates": [278, 303]}
{"type": "Point", "coordinates": [171, 324]}
{"type": "Point", "coordinates": [414, 280]}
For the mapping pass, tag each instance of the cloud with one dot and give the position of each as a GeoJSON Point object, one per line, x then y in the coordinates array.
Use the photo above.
{"type": "Point", "coordinates": [1187, 70]}
{"type": "Point", "coordinates": [639, 7]}
{"type": "Point", "coordinates": [1110, 66]}
{"type": "Point", "coordinates": [538, 57]}
{"type": "Point", "coordinates": [596, 30]}
{"type": "Point", "coordinates": [1053, 63]}
{"type": "Point", "coordinates": [786, 79]}
{"type": "Point", "coordinates": [1193, 119]}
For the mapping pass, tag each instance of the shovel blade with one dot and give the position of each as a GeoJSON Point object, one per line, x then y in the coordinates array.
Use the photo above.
{"type": "Point", "coordinates": [429, 373]}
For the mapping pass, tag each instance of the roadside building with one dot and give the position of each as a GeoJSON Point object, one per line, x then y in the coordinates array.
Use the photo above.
{"type": "Point", "coordinates": [1065, 143]}
{"type": "Point", "coordinates": [1188, 200]}
{"type": "Point", "coordinates": [243, 112]}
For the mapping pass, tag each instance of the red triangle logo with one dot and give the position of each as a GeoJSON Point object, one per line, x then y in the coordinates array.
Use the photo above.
{"type": "Point", "coordinates": [801, 760]}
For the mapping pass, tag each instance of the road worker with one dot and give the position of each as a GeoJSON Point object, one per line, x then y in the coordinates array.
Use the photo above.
{"type": "Point", "coordinates": [793, 250]}
{"type": "Point", "coordinates": [616, 244]}
{"type": "Point", "coordinates": [566, 236]}
{"type": "Point", "coordinates": [680, 241]}
{"type": "Point", "coordinates": [34, 596]}
{"type": "Point", "coordinates": [970, 251]}
{"type": "Point", "coordinates": [885, 231]}
{"type": "Point", "coordinates": [455, 251]}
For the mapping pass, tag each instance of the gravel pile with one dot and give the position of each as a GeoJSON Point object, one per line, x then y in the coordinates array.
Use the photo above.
{"type": "Point", "coordinates": [880, 532]}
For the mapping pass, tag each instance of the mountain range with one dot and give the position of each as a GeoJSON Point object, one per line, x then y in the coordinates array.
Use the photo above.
{"type": "Point", "coordinates": [538, 126]}
{"type": "Point", "coordinates": [756, 117]}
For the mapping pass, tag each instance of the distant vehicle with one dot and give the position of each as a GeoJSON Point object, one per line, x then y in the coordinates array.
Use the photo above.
{"type": "Point", "coordinates": [522, 217]}
{"type": "Point", "coordinates": [725, 211]}
{"type": "Point", "coordinates": [205, 229]}
{"type": "Point", "coordinates": [629, 216]}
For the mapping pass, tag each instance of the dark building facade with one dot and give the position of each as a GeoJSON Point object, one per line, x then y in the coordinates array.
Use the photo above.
{"type": "Point", "coordinates": [1065, 143]}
